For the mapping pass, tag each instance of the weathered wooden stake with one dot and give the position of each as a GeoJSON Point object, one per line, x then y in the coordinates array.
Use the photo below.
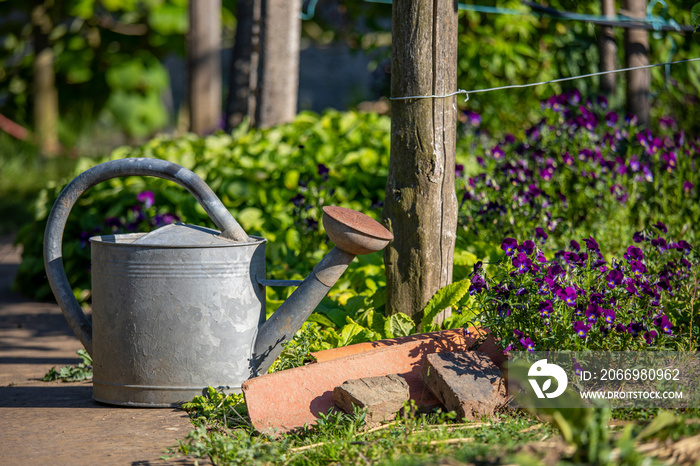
{"type": "Point", "coordinates": [608, 50]}
{"type": "Point", "coordinates": [421, 206]}
{"type": "Point", "coordinates": [279, 62]}
{"type": "Point", "coordinates": [637, 54]}
{"type": "Point", "coordinates": [204, 65]}
{"type": "Point", "coordinates": [243, 81]}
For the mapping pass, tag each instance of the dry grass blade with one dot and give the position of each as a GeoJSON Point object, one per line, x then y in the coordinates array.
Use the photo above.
{"type": "Point", "coordinates": [451, 440]}
{"type": "Point", "coordinates": [306, 447]}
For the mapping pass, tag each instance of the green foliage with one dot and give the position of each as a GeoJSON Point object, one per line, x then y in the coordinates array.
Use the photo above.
{"type": "Point", "coordinates": [107, 60]}
{"type": "Point", "coordinates": [218, 410]}
{"type": "Point", "coordinates": [82, 371]}
{"type": "Point", "coordinates": [446, 297]}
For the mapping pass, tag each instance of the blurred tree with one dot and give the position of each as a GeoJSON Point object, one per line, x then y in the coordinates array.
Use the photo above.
{"type": "Point", "coordinates": [106, 59]}
{"type": "Point", "coordinates": [204, 66]}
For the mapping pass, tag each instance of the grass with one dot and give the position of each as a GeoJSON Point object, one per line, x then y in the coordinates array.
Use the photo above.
{"type": "Point", "coordinates": [223, 434]}
{"type": "Point", "coordinates": [23, 173]}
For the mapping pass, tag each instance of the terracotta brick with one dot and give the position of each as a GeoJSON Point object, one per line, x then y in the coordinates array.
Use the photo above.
{"type": "Point", "coordinates": [466, 382]}
{"type": "Point", "coordinates": [383, 396]}
{"type": "Point", "coordinates": [289, 399]}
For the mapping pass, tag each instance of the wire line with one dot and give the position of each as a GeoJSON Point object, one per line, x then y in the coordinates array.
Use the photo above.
{"type": "Point", "coordinates": [517, 86]}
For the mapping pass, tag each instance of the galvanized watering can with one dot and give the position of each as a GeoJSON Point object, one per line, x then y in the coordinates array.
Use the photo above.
{"type": "Point", "coordinates": [183, 307]}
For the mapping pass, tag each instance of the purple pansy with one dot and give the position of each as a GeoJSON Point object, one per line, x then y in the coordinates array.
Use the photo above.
{"type": "Point", "coordinates": [614, 278]}
{"type": "Point", "coordinates": [634, 253]}
{"type": "Point", "coordinates": [510, 246]}
{"type": "Point", "coordinates": [568, 295]}
{"type": "Point", "coordinates": [637, 268]}
{"type": "Point", "coordinates": [664, 323]}
{"type": "Point", "coordinates": [528, 344]}
{"type": "Point", "coordinates": [545, 308]}
{"type": "Point", "coordinates": [540, 234]}
{"type": "Point", "coordinates": [147, 198]}
{"type": "Point", "coordinates": [581, 328]}
{"type": "Point", "coordinates": [522, 263]}
{"type": "Point", "coordinates": [527, 247]}
{"type": "Point", "coordinates": [609, 315]}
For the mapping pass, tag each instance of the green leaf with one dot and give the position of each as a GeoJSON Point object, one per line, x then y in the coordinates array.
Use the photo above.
{"type": "Point", "coordinates": [398, 325]}
{"type": "Point", "coordinates": [291, 179]}
{"type": "Point", "coordinates": [445, 297]}
{"type": "Point", "coordinates": [663, 420]}
{"type": "Point", "coordinates": [354, 333]}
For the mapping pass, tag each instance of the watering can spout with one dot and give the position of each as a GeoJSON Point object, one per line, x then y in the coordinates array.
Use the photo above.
{"type": "Point", "coordinates": [353, 234]}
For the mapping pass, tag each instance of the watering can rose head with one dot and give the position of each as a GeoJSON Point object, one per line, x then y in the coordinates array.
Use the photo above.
{"type": "Point", "coordinates": [183, 307]}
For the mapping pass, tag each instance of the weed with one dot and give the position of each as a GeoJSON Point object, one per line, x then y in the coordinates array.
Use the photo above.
{"type": "Point", "coordinates": [74, 373]}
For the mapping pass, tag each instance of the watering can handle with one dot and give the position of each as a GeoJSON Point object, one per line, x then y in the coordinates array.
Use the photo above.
{"type": "Point", "coordinates": [53, 236]}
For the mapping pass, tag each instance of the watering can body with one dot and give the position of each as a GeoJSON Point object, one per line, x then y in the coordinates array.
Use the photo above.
{"type": "Point", "coordinates": [183, 307]}
{"type": "Point", "coordinates": [171, 319]}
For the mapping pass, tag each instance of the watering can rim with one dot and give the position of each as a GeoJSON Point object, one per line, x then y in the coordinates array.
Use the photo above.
{"type": "Point", "coordinates": [208, 234]}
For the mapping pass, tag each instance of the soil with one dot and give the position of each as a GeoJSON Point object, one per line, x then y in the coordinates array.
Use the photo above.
{"type": "Point", "coordinates": [59, 423]}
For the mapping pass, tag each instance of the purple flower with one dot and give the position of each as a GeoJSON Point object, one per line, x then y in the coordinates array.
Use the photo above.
{"type": "Point", "coordinates": [528, 344]}
{"type": "Point", "coordinates": [637, 268]}
{"type": "Point", "coordinates": [509, 245]}
{"type": "Point", "coordinates": [522, 263]}
{"type": "Point", "coordinates": [147, 198]}
{"type": "Point", "coordinates": [547, 286]}
{"type": "Point", "coordinates": [527, 247]}
{"type": "Point", "coordinates": [688, 186]}
{"type": "Point", "coordinates": [567, 158]}
{"type": "Point", "coordinates": [593, 312]}
{"type": "Point", "coordinates": [113, 223]}
{"type": "Point", "coordinates": [591, 244]}
{"type": "Point", "coordinates": [581, 328]}
{"type": "Point", "coordinates": [540, 234]}
{"type": "Point", "coordinates": [574, 245]}
{"type": "Point", "coordinates": [540, 258]}
{"type": "Point", "coordinates": [545, 308]}
{"type": "Point", "coordinates": [459, 170]}
{"type": "Point", "coordinates": [611, 119]}
{"type": "Point", "coordinates": [638, 237]}
{"type": "Point", "coordinates": [670, 159]}
{"type": "Point", "coordinates": [660, 226]}
{"type": "Point", "coordinates": [568, 295]}
{"type": "Point", "coordinates": [634, 328]}
{"type": "Point", "coordinates": [614, 278]}
{"type": "Point", "coordinates": [649, 336]}
{"type": "Point", "coordinates": [660, 243]}
{"type": "Point", "coordinates": [578, 369]}
{"type": "Point", "coordinates": [497, 152]}
{"type": "Point", "coordinates": [477, 284]}
{"type": "Point", "coordinates": [473, 118]}
{"type": "Point", "coordinates": [634, 253]}
{"type": "Point", "coordinates": [665, 324]}
{"type": "Point", "coordinates": [609, 315]}
{"type": "Point", "coordinates": [682, 244]}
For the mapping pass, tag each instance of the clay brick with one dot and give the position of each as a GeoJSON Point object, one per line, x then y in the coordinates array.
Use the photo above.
{"type": "Point", "coordinates": [442, 338]}
{"type": "Point", "coordinates": [289, 399]}
{"type": "Point", "coordinates": [382, 396]}
{"type": "Point", "coordinates": [465, 382]}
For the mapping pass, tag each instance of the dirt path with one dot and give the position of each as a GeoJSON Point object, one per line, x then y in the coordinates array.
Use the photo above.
{"type": "Point", "coordinates": [59, 423]}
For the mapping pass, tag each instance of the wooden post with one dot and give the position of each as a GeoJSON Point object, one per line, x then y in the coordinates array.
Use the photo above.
{"type": "Point", "coordinates": [204, 65]}
{"type": "Point", "coordinates": [421, 206]}
{"type": "Point", "coordinates": [608, 50]}
{"type": "Point", "coordinates": [637, 54]}
{"type": "Point", "coordinates": [279, 62]}
{"type": "Point", "coordinates": [45, 93]}
{"type": "Point", "coordinates": [243, 81]}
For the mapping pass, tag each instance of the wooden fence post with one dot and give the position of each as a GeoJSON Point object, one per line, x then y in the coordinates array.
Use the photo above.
{"type": "Point", "coordinates": [204, 65]}
{"type": "Point", "coordinates": [637, 54]}
{"type": "Point", "coordinates": [608, 50]}
{"type": "Point", "coordinates": [421, 206]}
{"type": "Point", "coordinates": [279, 62]}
